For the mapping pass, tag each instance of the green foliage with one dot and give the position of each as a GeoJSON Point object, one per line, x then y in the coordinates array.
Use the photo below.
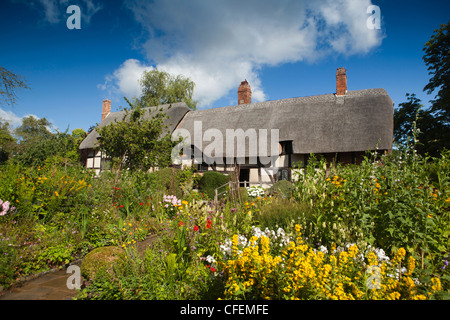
{"type": "Point", "coordinates": [138, 140]}
{"type": "Point", "coordinates": [37, 145]}
{"type": "Point", "coordinates": [282, 188]}
{"type": "Point", "coordinates": [101, 259]}
{"type": "Point", "coordinates": [8, 263]}
{"type": "Point", "coordinates": [243, 194]}
{"type": "Point", "coordinates": [393, 201]}
{"type": "Point", "coordinates": [432, 135]}
{"type": "Point", "coordinates": [280, 212]}
{"type": "Point", "coordinates": [159, 87]}
{"type": "Point", "coordinates": [389, 203]}
{"type": "Point", "coordinates": [437, 59]}
{"type": "Point", "coordinates": [210, 181]}
{"type": "Point", "coordinates": [44, 192]}
{"type": "Point", "coordinates": [7, 142]}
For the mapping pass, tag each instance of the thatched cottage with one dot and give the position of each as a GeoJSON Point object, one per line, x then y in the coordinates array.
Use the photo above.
{"type": "Point", "coordinates": [339, 126]}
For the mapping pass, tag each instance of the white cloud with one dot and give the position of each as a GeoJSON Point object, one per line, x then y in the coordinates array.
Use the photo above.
{"type": "Point", "coordinates": [125, 80]}
{"type": "Point", "coordinates": [16, 121]}
{"type": "Point", "coordinates": [219, 43]}
{"type": "Point", "coordinates": [10, 117]}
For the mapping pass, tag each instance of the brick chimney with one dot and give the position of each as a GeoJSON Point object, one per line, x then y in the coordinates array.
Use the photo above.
{"type": "Point", "coordinates": [106, 108]}
{"type": "Point", "coordinates": [244, 93]}
{"type": "Point", "coordinates": [341, 82]}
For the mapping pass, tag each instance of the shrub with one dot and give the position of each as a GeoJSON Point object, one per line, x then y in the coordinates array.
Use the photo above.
{"type": "Point", "coordinates": [282, 188]}
{"type": "Point", "coordinates": [243, 194]}
{"type": "Point", "coordinates": [101, 259]}
{"type": "Point", "coordinates": [210, 181]}
{"type": "Point", "coordinates": [301, 272]}
{"type": "Point", "coordinates": [279, 212]}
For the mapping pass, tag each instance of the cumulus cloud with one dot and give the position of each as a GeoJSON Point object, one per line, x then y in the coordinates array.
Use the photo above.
{"type": "Point", "coordinates": [219, 43]}
{"type": "Point", "coordinates": [10, 117]}
{"type": "Point", "coordinates": [16, 121]}
{"type": "Point", "coordinates": [125, 80]}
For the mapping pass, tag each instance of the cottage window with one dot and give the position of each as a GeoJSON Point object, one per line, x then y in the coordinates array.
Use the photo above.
{"type": "Point", "coordinates": [286, 147]}
{"type": "Point", "coordinates": [283, 174]}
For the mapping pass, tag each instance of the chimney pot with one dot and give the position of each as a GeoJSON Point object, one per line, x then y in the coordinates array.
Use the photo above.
{"type": "Point", "coordinates": [106, 108]}
{"type": "Point", "coordinates": [244, 93]}
{"type": "Point", "coordinates": [341, 82]}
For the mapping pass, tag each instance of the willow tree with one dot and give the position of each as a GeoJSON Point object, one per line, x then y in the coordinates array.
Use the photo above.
{"type": "Point", "coordinates": [159, 87]}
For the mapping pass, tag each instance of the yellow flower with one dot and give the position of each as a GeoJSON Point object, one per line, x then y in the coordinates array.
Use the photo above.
{"type": "Point", "coordinates": [56, 194]}
{"type": "Point", "coordinates": [184, 202]}
{"type": "Point", "coordinates": [436, 284]}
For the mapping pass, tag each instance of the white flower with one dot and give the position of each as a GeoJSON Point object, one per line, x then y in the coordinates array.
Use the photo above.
{"type": "Point", "coordinates": [323, 249]}
{"type": "Point", "coordinates": [210, 259]}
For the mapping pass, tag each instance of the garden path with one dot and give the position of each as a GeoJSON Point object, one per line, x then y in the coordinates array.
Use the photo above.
{"type": "Point", "coordinates": [53, 284]}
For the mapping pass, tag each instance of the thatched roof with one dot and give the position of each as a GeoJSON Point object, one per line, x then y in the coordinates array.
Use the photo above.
{"type": "Point", "coordinates": [358, 121]}
{"type": "Point", "coordinates": [175, 112]}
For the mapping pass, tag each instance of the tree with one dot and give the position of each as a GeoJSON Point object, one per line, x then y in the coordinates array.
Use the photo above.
{"type": "Point", "coordinates": [138, 140]}
{"type": "Point", "coordinates": [37, 144]}
{"type": "Point", "coordinates": [33, 129]}
{"type": "Point", "coordinates": [159, 87]}
{"type": "Point", "coordinates": [437, 59]}
{"type": "Point", "coordinates": [7, 142]}
{"type": "Point", "coordinates": [9, 82]}
{"type": "Point", "coordinates": [431, 133]}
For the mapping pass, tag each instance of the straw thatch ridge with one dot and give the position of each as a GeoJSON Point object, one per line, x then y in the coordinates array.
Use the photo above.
{"type": "Point", "coordinates": [175, 113]}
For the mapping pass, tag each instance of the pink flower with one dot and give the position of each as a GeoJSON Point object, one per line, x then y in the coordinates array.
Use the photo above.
{"type": "Point", "coordinates": [5, 207]}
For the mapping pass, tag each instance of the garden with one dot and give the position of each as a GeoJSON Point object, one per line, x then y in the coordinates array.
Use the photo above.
{"type": "Point", "coordinates": [378, 230]}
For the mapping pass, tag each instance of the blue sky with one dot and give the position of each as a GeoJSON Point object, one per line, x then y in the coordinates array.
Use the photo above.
{"type": "Point", "coordinates": [283, 48]}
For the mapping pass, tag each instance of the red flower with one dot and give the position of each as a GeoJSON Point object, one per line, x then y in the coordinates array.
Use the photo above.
{"type": "Point", "coordinates": [141, 204]}
{"type": "Point", "coordinates": [121, 206]}
{"type": "Point", "coordinates": [115, 188]}
{"type": "Point", "coordinates": [207, 265]}
{"type": "Point", "coordinates": [208, 224]}
{"type": "Point", "coordinates": [181, 223]}
{"type": "Point", "coordinates": [195, 228]}
{"type": "Point", "coordinates": [213, 269]}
